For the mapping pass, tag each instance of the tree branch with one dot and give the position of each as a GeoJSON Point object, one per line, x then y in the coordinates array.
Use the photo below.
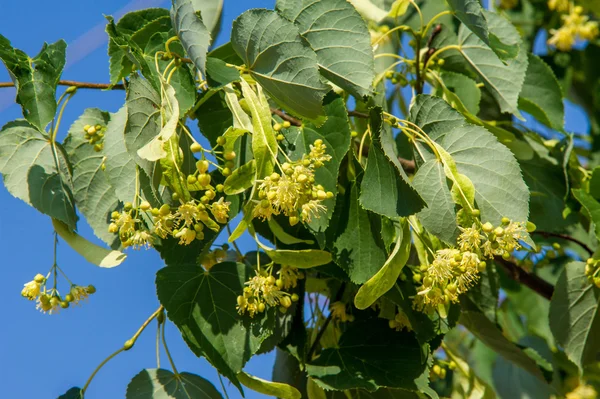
{"type": "Point", "coordinates": [547, 234]}
{"type": "Point", "coordinates": [293, 121]}
{"type": "Point", "coordinates": [537, 284]}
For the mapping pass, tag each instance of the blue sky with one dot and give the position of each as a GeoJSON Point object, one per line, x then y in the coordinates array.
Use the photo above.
{"type": "Point", "coordinates": [42, 356]}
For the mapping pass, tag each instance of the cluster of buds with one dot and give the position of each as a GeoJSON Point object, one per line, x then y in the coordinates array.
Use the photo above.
{"type": "Point", "coordinates": [264, 290]}
{"type": "Point", "coordinates": [455, 270]}
{"type": "Point", "coordinates": [592, 271]}
{"type": "Point", "coordinates": [49, 300]}
{"type": "Point", "coordinates": [439, 370]}
{"type": "Point", "coordinates": [338, 312]}
{"type": "Point", "coordinates": [201, 176]}
{"type": "Point", "coordinates": [294, 192]}
{"type": "Point", "coordinates": [278, 129]}
{"type": "Point", "coordinates": [396, 78]}
{"type": "Point", "coordinates": [216, 256]}
{"type": "Point", "coordinates": [400, 322]}
{"type": "Point", "coordinates": [541, 257]}
{"type": "Point", "coordinates": [575, 26]}
{"type": "Point", "coordinates": [95, 136]}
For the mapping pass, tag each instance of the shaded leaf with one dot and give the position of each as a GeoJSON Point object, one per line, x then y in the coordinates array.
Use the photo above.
{"type": "Point", "coordinates": [241, 179]}
{"type": "Point", "coordinates": [300, 258]}
{"type": "Point", "coordinates": [191, 31]}
{"type": "Point", "coordinates": [163, 384]}
{"type": "Point", "coordinates": [280, 61]}
{"type": "Point", "coordinates": [278, 389]}
{"type": "Point", "coordinates": [73, 393]}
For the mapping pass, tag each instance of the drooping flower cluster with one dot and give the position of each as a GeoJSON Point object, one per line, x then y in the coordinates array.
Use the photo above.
{"type": "Point", "coordinates": [575, 26]}
{"type": "Point", "coordinates": [400, 322]}
{"type": "Point", "coordinates": [592, 271]}
{"type": "Point", "coordinates": [186, 222]}
{"type": "Point", "coordinates": [294, 192]}
{"type": "Point", "coordinates": [559, 5]}
{"type": "Point", "coordinates": [265, 290]}
{"type": "Point", "coordinates": [49, 300]}
{"type": "Point", "coordinates": [583, 391]}
{"type": "Point", "coordinates": [454, 271]}
{"type": "Point", "coordinates": [95, 136]}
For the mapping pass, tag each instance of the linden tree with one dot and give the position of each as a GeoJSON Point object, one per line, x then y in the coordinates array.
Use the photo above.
{"type": "Point", "coordinates": [424, 224]}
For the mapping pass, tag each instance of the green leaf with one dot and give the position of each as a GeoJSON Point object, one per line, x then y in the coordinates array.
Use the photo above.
{"type": "Point", "coordinates": [35, 79]}
{"type": "Point", "coordinates": [142, 21]}
{"type": "Point", "coordinates": [92, 189]}
{"type": "Point", "coordinates": [169, 108]}
{"type": "Point", "coordinates": [91, 252]}
{"type": "Point", "coordinates": [264, 144]}
{"type": "Point", "coordinates": [211, 13]}
{"type": "Point", "coordinates": [541, 95]}
{"type": "Point", "coordinates": [385, 188]}
{"type": "Point", "coordinates": [163, 384]}
{"type": "Point", "coordinates": [329, 26]}
{"type": "Point", "coordinates": [591, 206]}
{"type": "Point", "coordinates": [487, 332]}
{"type": "Point", "coordinates": [280, 61]}
{"type": "Point", "coordinates": [464, 90]}
{"type": "Point", "coordinates": [241, 179]}
{"type": "Point", "coordinates": [194, 36]}
{"type": "Point", "coordinates": [386, 277]}
{"type": "Point", "coordinates": [503, 80]}
{"type": "Point", "coordinates": [574, 319]}
{"type": "Point", "coordinates": [203, 306]}
{"type": "Point", "coordinates": [358, 247]}
{"type": "Point", "coordinates": [300, 258]}
{"type": "Point", "coordinates": [218, 74]}
{"type": "Point", "coordinates": [369, 10]}
{"type": "Point", "coordinates": [73, 393]}
{"type": "Point", "coordinates": [120, 166]}
{"type": "Point", "coordinates": [335, 133]}
{"type": "Point", "coordinates": [277, 389]}
{"type": "Point", "coordinates": [472, 14]}
{"type": "Point", "coordinates": [36, 170]}
{"type": "Point", "coordinates": [369, 355]}
{"type": "Point", "coordinates": [439, 218]}
{"type": "Point", "coordinates": [434, 116]}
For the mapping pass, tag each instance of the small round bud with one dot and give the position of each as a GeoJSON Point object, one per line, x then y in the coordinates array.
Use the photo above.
{"type": "Point", "coordinates": [441, 61]}
{"type": "Point", "coordinates": [556, 246]}
{"type": "Point", "coordinates": [437, 370]}
{"type": "Point", "coordinates": [505, 221]}
{"type": "Point", "coordinates": [115, 215]}
{"type": "Point", "coordinates": [155, 212]}
{"type": "Point", "coordinates": [128, 206]}
{"type": "Point", "coordinates": [443, 373]}
{"type": "Point", "coordinates": [229, 156]}
{"type": "Point", "coordinates": [427, 281]}
{"type": "Point", "coordinates": [389, 74]}
{"type": "Point", "coordinates": [198, 227]}
{"type": "Point", "coordinates": [286, 301]}
{"type": "Point", "coordinates": [226, 172]}
{"type": "Point", "coordinates": [321, 195]}
{"type": "Point", "coordinates": [286, 124]}
{"type": "Point", "coordinates": [161, 317]}
{"type": "Point", "coordinates": [452, 288]}
{"type": "Point", "coordinates": [229, 164]}
{"type": "Point", "coordinates": [452, 365]}
{"type": "Point", "coordinates": [597, 282]}
{"type": "Point", "coordinates": [482, 265]}
{"type": "Point", "coordinates": [295, 297]}
{"type": "Point", "coordinates": [175, 197]}
{"type": "Point", "coordinates": [530, 227]}
{"type": "Point", "coordinates": [128, 344]}
{"type": "Point", "coordinates": [506, 255]}
{"type": "Point", "coordinates": [499, 231]}
{"type": "Point", "coordinates": [145, 205]}
{"type": "Point", "coordinates": [86, 127]}
{"type": "Point", "coordinates": [271, 280]}
{"type": "Point", "coordinates": [204, 179]}
{"type": "Point", "coordinates": [240, 300]}
{"type": "Point", "coordinates": [69, 298]}
{"type": "Point", "coordinates": [475, 212]}
{"type": "Point", "coordinates": [195, 147]}
{"type": "Point", "coordinates": [353, 133]}
{"type": "Point", "coordinates": [98, 147]}
{"type": "Point", "coordinates": [416, 277]}
{"type": "Point", "coordinates": [302, 178]}
{"type": "Point", "coordinates": [293, 220]}
{"type": "Point", "coordinates": [221, 140]}
{"type": "Point", "coordinates": [220, 188]}
{"type": "Point", "coordinates": [261, 307]}
{"type": "Point", "coordinates": [64, 304]}
{"type": "Point", "coordinates": [91, 289]}
{"type": "Point", "coordinates": [487, 227]}
{"type": "Point", "coordinates": [164, 210]}
{"type": "Point", "coordinates": [318, 142]}
{"type": "Point", "coordinates": [277, 127]}
{"type": "Point", "coordinates": [91, 130]}
{"type": "Point", "coordinates": [39, 278]}
{"type": "Point", "coordinates": [202, 165]}
{"type": "Point", "coordinates": [191, 179]}
{"type": "Point", "coordinates": [113, 228]}
{"type": "Point", "coordinates": [280, 137]}
{"type": "Point", "coordinates": [279, 283]}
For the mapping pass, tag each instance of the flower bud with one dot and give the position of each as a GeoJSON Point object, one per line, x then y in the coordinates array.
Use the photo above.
{"type": "Point", "coordinates": [145, 205]}
{"type": "Point", "coordinates": [128, 344]}
{"type": "Point", "coordinates": [191, 179]}
{"type": "Point", "coordinates": [204, 179]}
{"type": "Point", "coordinates": [164, 210]}
{"type": "Point", "coordinates": [221, 140]}
{"type": "Point", "coordinates": [229, 156]}
{"type": "Point", "coordinates": [286, 124]}
{"type": "Point", "coordinates": [91, 289]}
{"type": "Point", "coordinates": [226, 172]}
{"type": "Point", "coordinates": [195, 147]}
{"type": "Point", "coordinates": [277, 127]}
{"type": "Point", "coordinates": [487, 227]}
{"type": "Point", "coordinates": [202, 165]}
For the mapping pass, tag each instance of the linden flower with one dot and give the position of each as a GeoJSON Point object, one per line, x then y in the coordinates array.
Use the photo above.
{"type": "Point", "coordinates": [558, 5]}
{"type": "Point", "coordinates": [470, 238]}
{"type": "Point", "coordinates": [31, 290]}
{"type": "Point", "coordinates": [141, 238]}
{"type": "Point", "coordinates": [338, 311]}
{"type": "Point", "coordinates": [400, 322]}
{"type": "Point", "coordinates": [563, 38]}
{"type": "Point", "coordinates": [289, 276]}
{"type": "Point", "coordinates": [48, 305]}
{"type": "Point", "coordinates": [188, 213]}
{"type": "Point", "coordinates": [220, 210]}
{"type": "Point", "coordinates": [126, 224]}
{"type": "Point", "coordinates": [469, 272]}
{"type": "Point", "coordinates": [582, 392]}
{"type": "Point", "coordinates": [513, 233]}
{"type": "Point", "coordinates": [163, 225]}
{"type": "Point", "coordinates": [79, 293]}
{"type": "Point", "coordinates": [317, 153]}
{"type": "Point", "coordinates": [311, 209]}
{"type": "Point", "coordinates": [589, 31]}
{"type": "Point", "coordinates": [186, 236]}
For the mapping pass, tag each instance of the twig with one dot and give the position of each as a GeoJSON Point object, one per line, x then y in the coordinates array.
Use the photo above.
{"type": "Point", "coordinates": [79, 85]}
{"type": "Point", "coordinates": [358, 114]}
{"type": "Point", "coordinates": [286, 117]}
{"type": "Point", "coordinates": [431, 50]}
{"type": "Point", "coordinates": [313, 348]}
{"type": "Point", "coordinates": [547, 234]}
{"type": "Point", "coordinates": [532, 281]}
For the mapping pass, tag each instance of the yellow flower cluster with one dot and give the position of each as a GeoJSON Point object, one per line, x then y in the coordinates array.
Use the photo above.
{"type": "Point", "coordinates": [338, 312]}
{"type": "Point", "coordinates": [49, 301]}
{"type": "Point", "coordinates": [95, 136]}
{"type": "Point", "coordinates": [559, 5]}
{"type": "Point", "coordinates": [294, 192]}
{"type": "Point", "coordinates": [592, 271]}
{"type": "Point", "coordinates": [454, 271]}
{"type": "Point", "coordinates": [185, 223]}
{"type": "Point", "coordinates": [582, 391]}
{"type": "Point", "coordinates": [400, 322]}
{"type": "Point", "coordinates": [575, 26]}
{"type": "Point", "coordinates": [265, 290]}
